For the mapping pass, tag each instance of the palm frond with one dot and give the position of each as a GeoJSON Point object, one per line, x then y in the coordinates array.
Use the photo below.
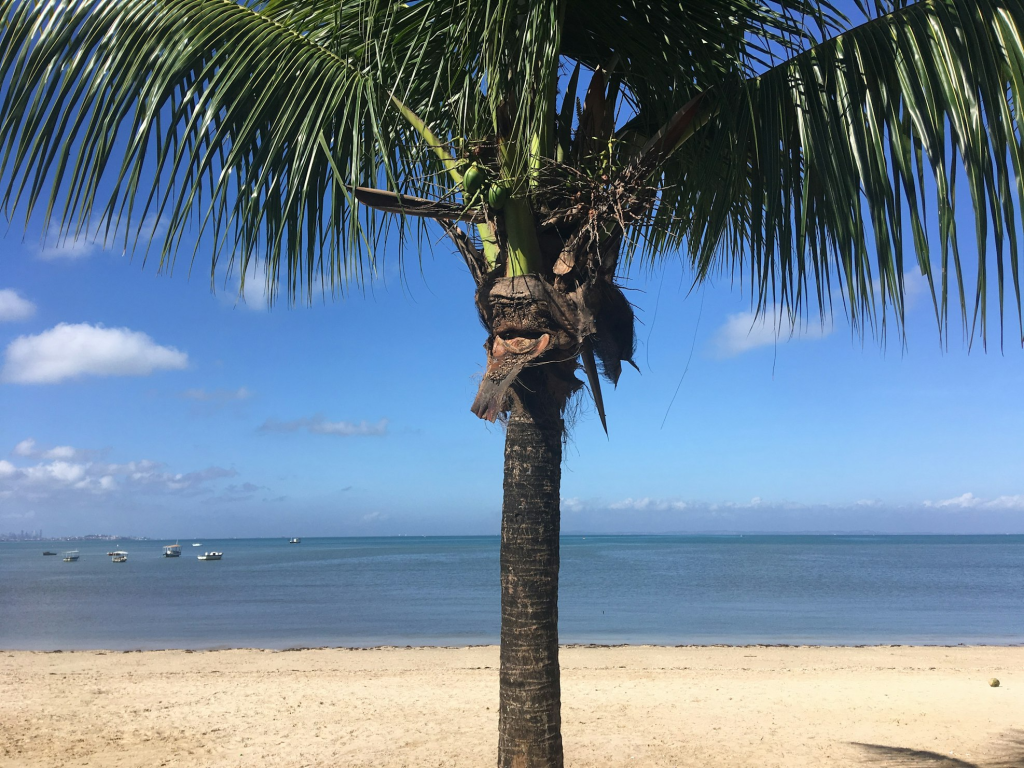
{"type": "Point", "coordinates": [816, 175]}
{"type": "Point", "coordinates": [207, 114]}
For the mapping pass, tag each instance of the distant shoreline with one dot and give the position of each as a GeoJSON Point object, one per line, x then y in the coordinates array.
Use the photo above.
{"type": "Point", "coordinates": [92, 537]}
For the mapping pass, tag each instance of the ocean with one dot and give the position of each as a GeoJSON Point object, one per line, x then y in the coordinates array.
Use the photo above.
{"type": "Point", "coordinates": [665, 590]}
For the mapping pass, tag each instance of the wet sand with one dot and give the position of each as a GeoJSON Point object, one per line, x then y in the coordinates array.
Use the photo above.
{"type": "Point", "coordinates": [622, 706]}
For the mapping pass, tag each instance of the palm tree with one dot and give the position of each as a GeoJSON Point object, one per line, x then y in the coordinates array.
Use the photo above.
{"type": "Point", "coordinates": [795, 144]}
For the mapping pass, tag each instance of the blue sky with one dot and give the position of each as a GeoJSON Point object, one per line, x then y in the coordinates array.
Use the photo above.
{"type": "Point", "coordinates": [145, 404]}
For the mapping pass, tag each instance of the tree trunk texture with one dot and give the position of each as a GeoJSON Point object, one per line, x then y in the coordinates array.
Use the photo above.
{"type": "Point", "coordinates": [530, 709]}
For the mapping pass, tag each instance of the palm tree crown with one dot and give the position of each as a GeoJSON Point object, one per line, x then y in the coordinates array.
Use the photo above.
{"type": "Point", "coordinates": [773, 140]}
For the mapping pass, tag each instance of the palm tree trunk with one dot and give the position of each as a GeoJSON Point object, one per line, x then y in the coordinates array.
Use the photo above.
{"type": "Point", "coordinates": [530, 709]}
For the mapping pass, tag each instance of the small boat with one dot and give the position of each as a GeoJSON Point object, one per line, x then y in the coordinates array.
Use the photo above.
{"type": "Point", "coordinates": [211, 556]}
{"type": "Point", "coordinates": [198, 544]}
{"type": "Point", "coordinates": [71, 556]}
{"type": "Point", "coordinates": [172, 550]}
{"type": "Point", "coordinates": [294, 541]}
{"type": "Point", "coordinates": [119, 557]}
{"type": "Point", "coordinates": [49, 553]}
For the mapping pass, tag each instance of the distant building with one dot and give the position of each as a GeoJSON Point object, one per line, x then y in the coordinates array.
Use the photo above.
{"type": "Point", "coordinates": [22, 536]}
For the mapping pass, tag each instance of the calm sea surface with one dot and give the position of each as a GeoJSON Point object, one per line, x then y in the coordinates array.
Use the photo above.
{"type": "Point", "coordinates": [444, 591]}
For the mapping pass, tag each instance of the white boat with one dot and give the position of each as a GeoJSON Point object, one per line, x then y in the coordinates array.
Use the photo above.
{"type": "Point", "coordinates": [172, 550]}
{"type": "Point", "coordinates": [197, 544]}
{"type": "Point", "coordinates": [71, 556]}
{"type": "Point", "coordinates": [211, 556]}
{"type": "Point", "coordinates": [294, 541]}
{"type": "Point", "coordinates": [119, 557]}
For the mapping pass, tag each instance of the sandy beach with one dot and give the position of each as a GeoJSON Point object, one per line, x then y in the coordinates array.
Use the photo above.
{"type": "Point", "coordinates": [622, 706]}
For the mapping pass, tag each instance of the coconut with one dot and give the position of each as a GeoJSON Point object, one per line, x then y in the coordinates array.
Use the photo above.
{"type": "Point", "coordinates": [473, 179]}
{"type": "Point", "coordinates": [497, 196]}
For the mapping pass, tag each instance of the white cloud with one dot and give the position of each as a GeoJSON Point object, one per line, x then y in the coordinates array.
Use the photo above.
{"type": "Point", "coordinates": [745, 331]}
{"type": "Point", "coordinates": [68, 351]}
{"type": "Point", "coordinates": [60, 452]}
{"type": "Point", "coordinates": [318, 425]}
{"type": "Point", "coordinates": [14, 307]}
{"type": "Point", "coordinates": [964, 501]}
{"type": "Point", "coordinates": [252, 294]}
{"type": "Point", "coordinates": [68, 250]}
{"type": "Point", "coordinates": [26, 447]}
{"type": "Point", "coordinates": [30, 449]}
{"type": "Point", "coordinates": [217, 395]}
{"type": "Point", "coordinates": [646, 504]}
{"type": "Point", "coordinates": [56, 476]}
{"type": "Point", "coordinates": [970, 501]}
{"type": "Point", "coordinates": [1006, 502]}
{"type": "Point", "coordinates": [572, 504]}
{"type": "Point", "coordinates": [71, 248]}
{"type": "Point", "coordinates": [60, 472]}
{"type": "Point", "coordinates": [915, 288]}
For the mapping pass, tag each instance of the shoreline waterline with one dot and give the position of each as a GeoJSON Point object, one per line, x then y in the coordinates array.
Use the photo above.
{"type": "Point", "coordinates": [561, 646]}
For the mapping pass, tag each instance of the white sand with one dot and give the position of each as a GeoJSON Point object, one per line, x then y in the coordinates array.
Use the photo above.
{"type": "Point", "coordinates": [629, 706]}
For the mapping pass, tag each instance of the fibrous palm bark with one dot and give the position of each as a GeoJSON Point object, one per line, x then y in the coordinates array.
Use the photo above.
{"type": "Point", "coordinates": [529, 730]}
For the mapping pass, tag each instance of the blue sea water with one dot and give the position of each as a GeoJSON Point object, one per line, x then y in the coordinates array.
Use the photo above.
{"type": "Point", "coordinates": [836, 590]}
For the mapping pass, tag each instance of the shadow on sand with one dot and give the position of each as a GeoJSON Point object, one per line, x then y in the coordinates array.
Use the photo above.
{"type": "Point", "coordinates": [1007, 751]}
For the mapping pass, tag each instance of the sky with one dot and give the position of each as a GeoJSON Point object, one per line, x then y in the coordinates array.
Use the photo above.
{"type": "Point", "coordinates": [140, 403]}
{"type": "Point", "coordinates": [148, 403]}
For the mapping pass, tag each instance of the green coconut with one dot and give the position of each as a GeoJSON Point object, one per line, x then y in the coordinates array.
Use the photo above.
{"type": "Point", "coordinates": [473, 179]}
{"type": "Point", "coordinates": [497, 196]}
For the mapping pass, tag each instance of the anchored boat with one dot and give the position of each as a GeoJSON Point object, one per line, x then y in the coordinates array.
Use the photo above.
{"type": "Point", "coordinates": [172, 550]}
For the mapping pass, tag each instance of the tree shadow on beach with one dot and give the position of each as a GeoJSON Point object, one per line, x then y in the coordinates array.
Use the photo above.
{"type": "Point", "coordinates": [1008, 752]}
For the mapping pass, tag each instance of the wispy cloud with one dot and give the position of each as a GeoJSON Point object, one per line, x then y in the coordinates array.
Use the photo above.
{"type": "Point", "coordinates": [648, 504]}
{"type": "Point", "coordinates": [745, 331]}
{"type": "Point", "coordinates": [13, 307]}
{"type": "Point", "coordinates": [28, 448]}
{"type": "Point", "coordinates": [970, 501]}
{"type": "Point", "coordinates": [217, 395]}
{"type": "Point", "coordinates": [250, 293]}
{"type": "Point", "coordinates": [319, 425]}
{"type": "Point", "coordinates": [69, 249]}
{"type": "Point", "coordinates": [69, 351]}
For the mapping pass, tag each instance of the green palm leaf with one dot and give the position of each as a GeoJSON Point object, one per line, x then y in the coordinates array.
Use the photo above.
{"type": "Point", "coordinates": [821, 168]}
{"type": "Point", "coordinates": [203, 112]}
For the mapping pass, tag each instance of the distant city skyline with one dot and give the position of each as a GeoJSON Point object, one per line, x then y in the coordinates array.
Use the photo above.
{"type": "Point", "coordinates": [22, 535]}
